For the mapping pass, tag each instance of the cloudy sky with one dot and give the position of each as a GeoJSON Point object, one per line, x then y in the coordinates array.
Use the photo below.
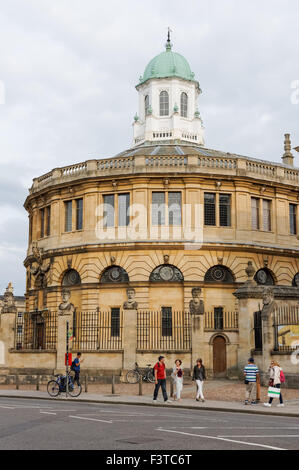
{"type": "Point", "coordinates": [69, 68]}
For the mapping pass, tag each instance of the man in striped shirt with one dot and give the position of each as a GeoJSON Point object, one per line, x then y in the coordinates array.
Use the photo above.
{"type": "Point", "coordinates": [251, 373]}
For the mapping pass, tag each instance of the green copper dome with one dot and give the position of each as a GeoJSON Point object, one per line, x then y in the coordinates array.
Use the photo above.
{"type": "Point", "coordinates": [168, 64]}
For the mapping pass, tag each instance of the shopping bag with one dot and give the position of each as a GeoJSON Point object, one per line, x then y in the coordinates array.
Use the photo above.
{"type": "Point", "coordinates": [273, 392]}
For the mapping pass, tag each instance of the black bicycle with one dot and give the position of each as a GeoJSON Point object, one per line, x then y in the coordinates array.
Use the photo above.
{"type": "Point", "coordinates": [133, 376]}
{"type": "Point", "coordinates": [55, 387]}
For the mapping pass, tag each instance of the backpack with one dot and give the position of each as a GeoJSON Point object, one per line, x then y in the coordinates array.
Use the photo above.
{"type": "Point", "coordinates": [282, 377]}
{"type": "Point", "coordinates": [73, 366]}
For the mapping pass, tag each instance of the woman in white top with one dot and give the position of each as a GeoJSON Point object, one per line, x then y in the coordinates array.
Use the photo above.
{"type": "Point", "coordinates": [177, 375]}
{"type": "Point", "coordinates": [274, 373]}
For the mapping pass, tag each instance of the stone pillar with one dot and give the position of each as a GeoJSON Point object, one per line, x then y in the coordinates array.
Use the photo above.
{"type": "Point", "coordinates": [129, 340]}
{"type": "Point", "coordinates": [61, 342]}
{"type": "Point", "coordinates": [7, 337]}
{"type": "Point", "coordinates": [197, 338]}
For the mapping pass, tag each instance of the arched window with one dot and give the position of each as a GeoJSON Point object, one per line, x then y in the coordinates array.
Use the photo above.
{"type": "Point", "coordinates": [114, 274]}
{"type": "Point", "coordinates": [219, 273]}
{"type": "Point", "coordinates": [146, 104]}
{"type": "Point", "coordinates": [295, 282]}
{"type": "Point", "coordinates": [71, 278]}
{"type": "Point", "coordinates": [184, 104]}
{"type": "Point", "coordinates": [264, 277]}
{"type": "Point", "coordinates": [166, 273]}
{"type": "Point", "coordinates": [164, 103]}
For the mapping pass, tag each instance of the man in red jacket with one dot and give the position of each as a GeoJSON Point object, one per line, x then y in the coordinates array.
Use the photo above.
{"type": "Point", "coordinates": [160, 379]}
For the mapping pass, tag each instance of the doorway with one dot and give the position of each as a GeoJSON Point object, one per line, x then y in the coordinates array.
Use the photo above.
{"type": "Point", "coordinates": [219, 356]}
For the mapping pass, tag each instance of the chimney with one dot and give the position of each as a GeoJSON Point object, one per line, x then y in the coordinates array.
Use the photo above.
{"type": "Point", "coordinates": [287, 158]}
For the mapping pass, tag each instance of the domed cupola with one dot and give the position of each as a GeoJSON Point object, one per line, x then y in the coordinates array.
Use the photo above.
{"type": "Point", "coordinates": [168, 93]}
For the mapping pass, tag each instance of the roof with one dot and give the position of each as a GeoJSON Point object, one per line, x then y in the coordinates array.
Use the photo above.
{"type": "Point", "coordinates": [168, 64]}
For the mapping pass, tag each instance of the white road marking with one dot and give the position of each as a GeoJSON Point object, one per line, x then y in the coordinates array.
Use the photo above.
{"type": "Point", "coordinates": [222, 439]}
{"type": "Point", "coordinates": [264, 435]}
{"type": "Point", "coordinates": [91, 419]}
{"type": "Point", "coordinates": [7, 407]}
{"type": "Point", "coordinates": [48, 413]}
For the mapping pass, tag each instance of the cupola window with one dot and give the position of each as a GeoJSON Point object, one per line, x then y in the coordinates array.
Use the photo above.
{"type": "Point", "coordinates": [164, 103]}
{"type": "Point", "coordinates": [146, 105]}
{"type": "Point", "coordinates": [184, 104]}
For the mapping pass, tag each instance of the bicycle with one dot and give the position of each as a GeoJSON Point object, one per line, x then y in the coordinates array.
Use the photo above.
{"type": "Point", "coordinates": [133, 376]}
{"type": "Point", "coordinates": [55, 387]}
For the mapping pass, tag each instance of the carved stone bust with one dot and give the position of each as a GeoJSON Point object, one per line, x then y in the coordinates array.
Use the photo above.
{"type": "Point", "coordinates": [269, 303]}
{"type": "Point", "coordinates": [130, 304]}
{"type": "Point", "coordinates": [66, 307]}
{"type": "Point", "coordinates": [196, 305]}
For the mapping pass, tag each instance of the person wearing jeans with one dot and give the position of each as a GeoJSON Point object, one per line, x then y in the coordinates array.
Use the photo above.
{"type": "Point", "coordinates": [199, 375]}
{"type": "Point", "coordinates": [160, 379]}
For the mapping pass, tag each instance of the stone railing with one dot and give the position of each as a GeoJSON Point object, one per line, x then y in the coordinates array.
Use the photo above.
{"type": "Point", "coordinates": [207, 163]}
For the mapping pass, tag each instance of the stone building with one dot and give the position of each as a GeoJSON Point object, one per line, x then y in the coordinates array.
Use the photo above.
{"type": "Point", "coordinates": [168, 247]}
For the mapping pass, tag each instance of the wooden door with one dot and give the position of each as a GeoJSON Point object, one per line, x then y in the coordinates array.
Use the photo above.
{"type": "Point", "coordinates": [219, 357]}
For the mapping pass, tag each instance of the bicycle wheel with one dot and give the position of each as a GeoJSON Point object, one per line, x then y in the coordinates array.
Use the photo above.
{"type": "Point", "coordinates": [53, 388]}
{"type": "Point", "coordinates": [150, 376]}
{"type": "Point", "coordinates": [133, 377]}
{"type": "Point", "coordinates": [75, 389]}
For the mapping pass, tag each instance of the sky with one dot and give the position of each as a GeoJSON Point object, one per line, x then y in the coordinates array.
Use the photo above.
{"type": "Point", "coordinates": [68, 71]}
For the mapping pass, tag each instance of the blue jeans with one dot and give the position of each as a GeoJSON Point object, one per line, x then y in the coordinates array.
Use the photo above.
{"type": "Point", "coordinates": [280, 396]}
{"type": "Point", "coordinates": [161, 383]}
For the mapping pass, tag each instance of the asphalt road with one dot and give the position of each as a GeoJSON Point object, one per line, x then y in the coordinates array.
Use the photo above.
{"type": "Point", "coordinates": [50, 424]}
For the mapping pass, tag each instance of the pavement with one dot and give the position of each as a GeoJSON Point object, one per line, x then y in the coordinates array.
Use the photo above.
{"type": "Point", "coordinates": [63, 424]}
{"type": "Point", "coordinates": [291, 408]}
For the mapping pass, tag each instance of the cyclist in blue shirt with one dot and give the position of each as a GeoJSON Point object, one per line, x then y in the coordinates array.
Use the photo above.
{"type": "Point", "coordinates": [76, 367]}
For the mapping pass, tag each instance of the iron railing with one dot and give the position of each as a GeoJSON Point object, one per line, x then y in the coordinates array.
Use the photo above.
{"type": "Point", "coordinates": [286, 328]}
{"type": "Point", "coordinates": [36, 330]}
{"type": "Point", "coordinates": [218, 320]}
{"type": "Point", "coordinates": [96, 331]}
{"type": "Point", "coordinates": [164, 330]}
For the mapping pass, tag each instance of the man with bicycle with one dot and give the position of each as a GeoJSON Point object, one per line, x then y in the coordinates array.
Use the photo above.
{"type": "Point", "coordinates": [160, 379]}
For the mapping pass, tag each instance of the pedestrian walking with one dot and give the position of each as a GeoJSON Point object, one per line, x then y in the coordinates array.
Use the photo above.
{"type": "Point", "coordinates": [75, 367]}
{"type": "Point", "coordinates": [276, 378]}
{"type": "Point", "coordinates": [177, 376]}
{"type": "Point", "coordinates": [160, 379]}
{"type": "Point", "coordinates": [251, 372]}
{"type": "Point", "coordinates": [199, 375]}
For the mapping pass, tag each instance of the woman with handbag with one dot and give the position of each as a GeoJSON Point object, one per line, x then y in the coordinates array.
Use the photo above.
{"type": "Point", "coordinates": [276, 378]}
{"type": "Point", "coordinates": [177, 376]}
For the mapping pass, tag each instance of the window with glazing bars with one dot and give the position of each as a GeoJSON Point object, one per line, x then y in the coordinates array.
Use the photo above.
{"type": "Point", "coordinates": [79, 214]}
{"type": "Point", "coordinates": [266, 215]}
{"type": "Point", "coordinates": [225, 210]}
{"type": "Point", "coordinates": [48, 227]}
{"type": "Point", "coordinates": [158, 208]}
{"type": "Point", "coordinates": [174, 208]}
{"type": "Point", "coordinates": [123, 210]}
{"type": "Point", "coordinates": [184, 104]}
{"type": "Point", "coordinates": [115, 322]}
{"type": "Point", "coordinates": [164, 103]}
{"type": "Point", "coordinates": [293, 219]}
{"type": "Point", "coordinates": [209, 209]}
{"type": "Point", "coordinates": [166, 321]}
{"type": "Point", "coordinates": [42, 222]}
{"type": "Point", "coordinates": [68, 216]}
{"type": "Point", "coordinates": [218, 318]}
{"type": "Point", "coordinates": [255, 216]}
{"type": "Point", "coordinates": [146, 105]}
{"type": "Point", "coordinates": [108, 210]}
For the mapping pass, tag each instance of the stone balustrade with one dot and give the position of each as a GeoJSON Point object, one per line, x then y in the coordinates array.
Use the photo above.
{"type": "Point", "coordinates": [207, 163]}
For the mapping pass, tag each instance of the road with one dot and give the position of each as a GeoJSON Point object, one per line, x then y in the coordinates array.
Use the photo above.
{"type": "Point", "coordinates": [33, 424]}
